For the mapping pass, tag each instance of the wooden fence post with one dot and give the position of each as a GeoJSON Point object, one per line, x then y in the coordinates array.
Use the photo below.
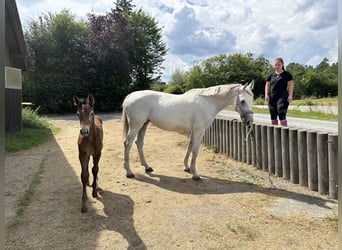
{"type": "Point", "coordinates": [231, 139]}
{"type": "Point", "coordinates": [293, 155]}
{"type": "Point", "coordinates": [311, 138]}
{"type": "Point", "coordinates": [333, 165]}
{"type": "Point", "coordinates": [235, 139]}
{"type": "Point", "coordinates": [243, 144]}
{"type": "Point", "coordinates": [249, 146]}
{"type": "Point", "coordinates": [258, 146]}
{"type": "Point", "coordinates": [302, 158]}
{"type": "Point", "coordinates": [278, 147]}
{"type": "Point", "coordinates": [270, 148]}
{"type": "Point", "coordinates": [322, 163]}
{"type": "Point", "coordinates": [239, 144]}
{"type": "Point", "coordinates": [264, 148]}
{"type": "Point", "coordinates": [285, 154]}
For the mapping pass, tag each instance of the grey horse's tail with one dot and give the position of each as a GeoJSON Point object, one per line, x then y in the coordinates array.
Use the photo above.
{"type": "Point", "coordinates": [125, 123]}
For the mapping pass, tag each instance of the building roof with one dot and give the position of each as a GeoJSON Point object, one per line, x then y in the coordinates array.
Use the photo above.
{"type": "Point", "coordinates": [15, 41]}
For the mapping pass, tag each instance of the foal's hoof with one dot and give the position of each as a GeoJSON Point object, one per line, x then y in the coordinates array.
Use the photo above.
{"type": "Point", "coordinates": [187, 170]}
{"type": "Point", "coordinates": [149, 170]}
{"type": "Point", "coordinates": [196, 178]}
{"type": "Point", "coordinates": [130, 176]}
{"type": "Point", "coordinates": [95, 194]}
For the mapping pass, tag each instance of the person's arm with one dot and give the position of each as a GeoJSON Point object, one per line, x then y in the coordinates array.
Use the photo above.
{"type": "Point", "coordinates": [290, 90]}
{"type": "Point", "coordinates": [267, 90]}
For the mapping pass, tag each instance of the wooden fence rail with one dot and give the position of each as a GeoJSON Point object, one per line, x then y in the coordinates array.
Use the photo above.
{"type": "Point", "coordinates": [307, 158]}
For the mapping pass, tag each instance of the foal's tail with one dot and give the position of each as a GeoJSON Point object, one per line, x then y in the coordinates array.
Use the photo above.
{"type": "Point", "coordinates": [125, 123]}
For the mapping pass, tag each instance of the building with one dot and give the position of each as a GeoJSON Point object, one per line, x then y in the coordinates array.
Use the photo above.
{"type": "Point", "coordinates": [15, 63]}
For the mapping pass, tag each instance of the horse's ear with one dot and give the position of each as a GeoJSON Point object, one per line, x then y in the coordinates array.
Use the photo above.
{"type": "Point", "coordinates": [91, 100]}
{"type": "Point", "coordinates": [76, 100]}
{"type": "Point", "coordinates": [251, 84]}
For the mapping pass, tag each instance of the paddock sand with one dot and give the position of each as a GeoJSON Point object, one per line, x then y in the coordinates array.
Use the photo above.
{"type": "Point", "coordinates": [232, 207]}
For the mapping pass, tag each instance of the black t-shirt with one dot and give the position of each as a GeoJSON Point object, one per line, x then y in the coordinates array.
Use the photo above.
{"type": "Point", "coordinates": [278, 83]}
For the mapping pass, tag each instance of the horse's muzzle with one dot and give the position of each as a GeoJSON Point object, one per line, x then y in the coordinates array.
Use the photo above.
{"type": "Point", "coordinates": [84, 131]}
{"type": "Point", "coordinates": [247, 119]}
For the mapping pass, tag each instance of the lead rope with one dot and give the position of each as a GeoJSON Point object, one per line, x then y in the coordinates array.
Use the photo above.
{"type": "Point", "coordinates": [249, 133]}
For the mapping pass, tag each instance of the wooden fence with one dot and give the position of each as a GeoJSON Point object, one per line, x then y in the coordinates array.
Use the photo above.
{"type": "Point", "coordinates": [303, 157]}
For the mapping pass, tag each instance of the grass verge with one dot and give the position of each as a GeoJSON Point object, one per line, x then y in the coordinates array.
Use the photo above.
{"type": "Point", "coordinates": [301, 114]}
{"type": "Point", "coordinates": [36, 131]}
{"type": "Point", "coordinates": [25, 200]}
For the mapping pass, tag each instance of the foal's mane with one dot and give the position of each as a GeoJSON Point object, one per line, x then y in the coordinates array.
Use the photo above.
{"type": "Point", "coordinates": [214, 90]}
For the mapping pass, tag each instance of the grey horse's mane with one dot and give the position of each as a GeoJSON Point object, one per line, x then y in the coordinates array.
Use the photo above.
{"type": "Point", "coordinates": [213, 91]}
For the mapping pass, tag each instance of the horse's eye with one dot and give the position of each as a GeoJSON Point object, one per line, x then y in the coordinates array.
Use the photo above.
{"type": "Point", "coordinates": [242, 101]}
{"type": "Point", "coordinates": [91, 113]}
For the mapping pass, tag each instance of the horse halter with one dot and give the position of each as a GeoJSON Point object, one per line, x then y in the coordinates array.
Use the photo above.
{"type": "Point", "coordinates": [238, 106]}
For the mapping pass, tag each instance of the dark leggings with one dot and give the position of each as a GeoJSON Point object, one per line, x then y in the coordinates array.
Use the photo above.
{"type": "Point", "coordinates": [278, 107]}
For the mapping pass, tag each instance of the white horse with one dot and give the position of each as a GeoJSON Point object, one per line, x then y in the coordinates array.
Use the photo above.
{"type": "Point", "coordinates": [192, 112]}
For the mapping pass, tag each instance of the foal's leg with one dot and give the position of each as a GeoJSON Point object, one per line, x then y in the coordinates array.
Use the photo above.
{"type": "Point", "coordinates": [127, 146]}
{"type": "Point", "coordinates": [84, 160]}
{"type": "Point", "coordinates": [95, 170]}
{"type": "Point", "coordinates": [140, 145]}
{"type": "Point", "coordinates": [196, 143]}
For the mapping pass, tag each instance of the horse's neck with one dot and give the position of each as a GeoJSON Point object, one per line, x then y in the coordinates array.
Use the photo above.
{"type": "Point", "coordinates": [221, 102]}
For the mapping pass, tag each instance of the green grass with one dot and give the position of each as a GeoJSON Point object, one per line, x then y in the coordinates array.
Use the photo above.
{"type": "Point", "coordinates": [301, 114]}
{"type": "Point", "coordinates": [310, 101]}
{"type": "Point", "coordinates": [36, 131]}
{"type": "Point", "coordinates": [332, 101]}
{"type": "Point", "coordinates": [334, 219]}
{"type": "Point", "coordinates": [25, 200]}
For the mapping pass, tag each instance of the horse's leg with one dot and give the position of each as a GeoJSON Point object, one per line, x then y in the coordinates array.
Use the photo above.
{"type": "Point", "coordinates": [186, 158]}
{"type": "Point", "coordinates": [140, 145]}
{"type": "Point", "coordinates": [84, 160]}
{"type": "Point", "coordinates": [95, 170]}
{"type": "Point", "coordinates": [196, 143]}
{"type": "Point", "coordinates": [127, 146]}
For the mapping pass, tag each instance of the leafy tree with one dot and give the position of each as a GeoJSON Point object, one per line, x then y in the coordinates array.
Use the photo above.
{"type": "Point", "coordinates": [124, 6]}
{"type": "Point", "coordinates": [224, 69]}
{"type": "Point", "coordinates": [148, 49]}
{"type": "Point", "coordinates": [55, 66]}
{"type": "Point", "coordinates": [105, 53]}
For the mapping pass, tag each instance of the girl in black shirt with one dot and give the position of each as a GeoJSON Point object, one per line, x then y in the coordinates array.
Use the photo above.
{"type": "Point", "coordinates": [279, 92]}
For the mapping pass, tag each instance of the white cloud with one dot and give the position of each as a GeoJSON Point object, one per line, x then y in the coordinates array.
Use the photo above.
{"type": "Point", "coordinates": [301, 31]}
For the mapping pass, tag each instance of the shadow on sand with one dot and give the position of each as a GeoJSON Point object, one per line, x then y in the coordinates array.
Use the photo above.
{"type": "Point", "coordinates": [210, 185]}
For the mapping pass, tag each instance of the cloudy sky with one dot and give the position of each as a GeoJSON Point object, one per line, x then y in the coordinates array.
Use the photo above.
{"type": "Point", "coordinates": [300, 31]}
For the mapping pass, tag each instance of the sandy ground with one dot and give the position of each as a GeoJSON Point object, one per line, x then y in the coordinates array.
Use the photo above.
{"type": "Point", "coordinates": [232, 207]}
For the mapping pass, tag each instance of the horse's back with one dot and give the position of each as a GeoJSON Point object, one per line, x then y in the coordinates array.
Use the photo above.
{"type": "Point", "coordinates": [143, 96]}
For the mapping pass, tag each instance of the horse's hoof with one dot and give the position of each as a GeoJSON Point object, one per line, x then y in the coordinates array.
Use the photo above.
{"type": "Point", "coordinates": [196, 178]}
{"type": "Point", "coordinates": [94, 194]}
{"type": "Point", "coordinates": [84, 209]}
{"type": "Point", "coordinates": [130, 176]}
{"type": "Point", "coordinates": [149, 170]}
{"type": "Point", "coordinates": [187, 170]}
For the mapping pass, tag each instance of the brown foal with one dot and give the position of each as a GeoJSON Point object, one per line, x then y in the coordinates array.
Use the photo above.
{"type": "Point", "coordinates": [90, 143]}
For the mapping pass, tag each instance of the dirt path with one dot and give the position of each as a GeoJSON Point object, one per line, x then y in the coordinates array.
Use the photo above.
{"type": "Point", "coordinates": [233, 207]}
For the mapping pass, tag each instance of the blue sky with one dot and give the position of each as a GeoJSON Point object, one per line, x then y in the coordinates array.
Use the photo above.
{"type": "Point", "coordinates": [301, 31]}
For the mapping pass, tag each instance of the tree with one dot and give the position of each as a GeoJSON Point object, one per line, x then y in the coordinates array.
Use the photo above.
{"type": "Point", "coordinates": [224, 69]}
{"type": "Point", "coordinates": [177, 77]}
{"type": "Point", "coordinates": [55, 66]}
{"type": "Point", "coordinates": [125, 6]}
{"type": "Point", "coordinates": [106, 49]}
{"type": "Point", "coordinates": [148, 49]}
